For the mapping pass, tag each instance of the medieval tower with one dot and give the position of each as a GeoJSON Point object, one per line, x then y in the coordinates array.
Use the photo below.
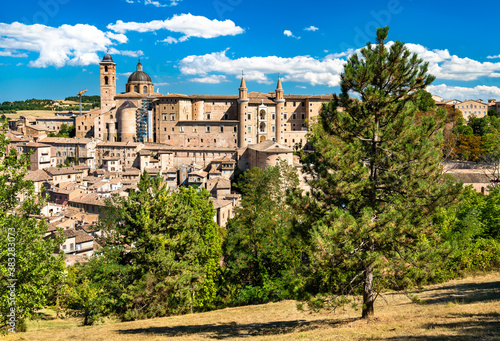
{"type": "Point", "coordinates": [108, 83]}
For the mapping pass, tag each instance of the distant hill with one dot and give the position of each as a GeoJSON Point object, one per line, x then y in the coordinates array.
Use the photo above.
{"type": "Point", "coordinates": [69, 103]}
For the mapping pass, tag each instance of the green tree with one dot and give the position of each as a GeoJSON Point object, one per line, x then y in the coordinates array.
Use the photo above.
{"type": "Point", "coordinates": [261, 253]}
{"type": "Point", "coordinates": [161, 253]}
{"type": "Point", "coordinates": [28, 267]}
{"type": "Point", "coordinates": [376, 177]}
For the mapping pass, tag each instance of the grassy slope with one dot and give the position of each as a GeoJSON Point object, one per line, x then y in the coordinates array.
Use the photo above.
{"type": "Point", "coordinates": [466, 309]}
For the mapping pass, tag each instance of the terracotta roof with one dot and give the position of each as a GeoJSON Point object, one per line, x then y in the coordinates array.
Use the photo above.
{"type": "Point", "coordinates": [224, 159]}
{"type": "Point", "coordinates": [54, 171]}
{"type": "Point", "coordinates": [79, 235]}
{"type": "Point", "coordinates": [36, 145]}
{"type": "Point", "coordinates": [201, 174]}
{"type": "Point", "coordinates": [65, 188]}
{"type": "Point", "coordinates": [269, 146]}
{"type": "Point", "coordinates": [119, 144]}
{"type": "Point", "coordinates": [38, 175]}
{"type": "Point", "coordinates": [218, 203]}
{"type": "Point", "coordinates": [223, 184]}
{"type": "Point", "coordinates": [90, 199]}
{"type": "Point", "coordinates": [131, 171]}
{"type": "Point", "coordinates": [64, 140]}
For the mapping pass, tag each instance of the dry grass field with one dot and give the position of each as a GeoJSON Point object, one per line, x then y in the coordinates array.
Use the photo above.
{"type": "Point", "coordinates": [465, 309]}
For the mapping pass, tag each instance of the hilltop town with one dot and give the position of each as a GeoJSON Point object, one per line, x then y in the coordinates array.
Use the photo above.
{"type": "Point", "coordinates": [199, 140]}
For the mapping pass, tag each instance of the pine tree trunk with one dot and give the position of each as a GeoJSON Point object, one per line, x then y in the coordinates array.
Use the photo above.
{"type": "Point", "coordinates": [368, 293]}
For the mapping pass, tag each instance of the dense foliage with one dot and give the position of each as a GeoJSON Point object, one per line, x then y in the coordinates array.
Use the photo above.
{"type": "Point", "coordinates": [471, 231]}
{"type": "Point", "coordinates": [93, 101]}
{"type": "Point", "coordinates": [160, 257]}
{"type": "Point", "coordinates": [473, 140]}
{"type": "Point", "coordinates": [262, 254]}
{"type": "Point", "coordinates": [29, 270]}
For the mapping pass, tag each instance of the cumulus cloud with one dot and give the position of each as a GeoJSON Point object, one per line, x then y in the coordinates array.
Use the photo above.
{"type": "Point", "coordinates": [13, 54]}
{"type": "Point", "coordinates": [58, 46]}
{"type": "Point", "coordinates": [464, 93]}
{"type": "Point", "coordinates": [187, 24]}
{"type": "Point", "coordinates": [169, 40]}
{"type": "Point", "coordinates": [444, 65]}
{"type": "Point", "coordinates": [493, 57]}
{"type": "Point", "coordinates": [289, 33]}
{"type": "Point", "coordinates": [297, 69]}
{"type": "Point", "coordinates": [311, 28]}
{"type": "Point", "coordinates": [213, 79]}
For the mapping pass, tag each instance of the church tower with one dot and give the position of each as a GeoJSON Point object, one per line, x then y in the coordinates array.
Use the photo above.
{"type": "Point", "coordinates": [242, 112]}
{"type": "Point", "coordinates": [280, 101]}
{"type": "Point", "coordinates": [108, 83]}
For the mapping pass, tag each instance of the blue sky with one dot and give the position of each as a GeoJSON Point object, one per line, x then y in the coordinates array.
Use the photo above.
{"type": "Point", "coordinates": [51, 48]}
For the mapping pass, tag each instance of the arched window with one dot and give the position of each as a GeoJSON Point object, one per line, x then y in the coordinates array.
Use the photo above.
{"type": "Point", "coordinates": [262, 114]}
{"type": "Point", "coordinates": [145, 89]}
{"type": "Point", "coordinates": [136, 88]}
{"type": "Point", "coordinates": [106, 68]}
{"type": "Point", "coordinates": [106, 80]}
{"type": "Point", "coordinates": [262, 127]}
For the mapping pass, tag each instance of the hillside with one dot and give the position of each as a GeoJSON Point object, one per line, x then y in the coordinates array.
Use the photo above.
{"type": "Point", "coordinates": [465, 309]}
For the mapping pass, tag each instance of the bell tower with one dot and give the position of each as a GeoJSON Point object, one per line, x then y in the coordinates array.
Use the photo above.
{"type": "Point", "coordinates": [108, 83]}
{"type": "Point", "coordinates": [280, 100]}
{"type": "Point", "coordinates": [242, 112]}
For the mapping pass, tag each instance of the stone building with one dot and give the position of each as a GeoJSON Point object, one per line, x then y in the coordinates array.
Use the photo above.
{"type": "Point", "coordinates": [216, 122]}
{"type": "Point", "coordinates": [470, 107]}
{"type": "Point", "coordinates": [79, 151]}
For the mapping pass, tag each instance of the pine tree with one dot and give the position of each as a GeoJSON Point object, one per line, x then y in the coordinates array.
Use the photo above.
{"type": "Point", "coordinates": [375, 175]}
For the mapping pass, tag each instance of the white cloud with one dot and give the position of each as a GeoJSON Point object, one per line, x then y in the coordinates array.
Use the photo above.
{"type": "Point", "coordinates": [126, 74]}
{"type": "Point", "coordinates": [169, 40]}
{"type": "Point", "coordinates": [326, 71]}
{"type": "Point", "coordinates": [19, 64]}
{"type": "Point", "coordinates": [442, 64]}
{"type": "Point", "coordinates": [289, 33]}
{"type": "Point", "coordinates": [347, 53]}
{"type": "Point", "coordinates": [311, 28]}
{"type": "Point", "coordinates": [463, 93]}
{"type": "Point", "coordinates": [156, 3]}
{"type": "Point", "coordinates": [213, 79]}
{"type": "Point", "coordinates": [58, 46]}
{"type": "Point", "coordinates": [297, 69]}
{"type": "Point", "coordinates": [162, 84]}
{"type": "Point", "coordinates": [493, 57]}
{"type": "Point", "coordinates": [187, 24]}
{"type": "Point", "coordinates": [127, 53]}
{"type": "Point", "coordinates": [13, 54]}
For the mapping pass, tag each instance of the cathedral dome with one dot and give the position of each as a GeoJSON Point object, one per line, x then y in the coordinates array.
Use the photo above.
{"type": "Point", "coordinates": [139, 76]}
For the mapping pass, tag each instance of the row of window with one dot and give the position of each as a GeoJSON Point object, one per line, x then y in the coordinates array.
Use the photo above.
{"type": "Point", "coordinates": [208, 129]}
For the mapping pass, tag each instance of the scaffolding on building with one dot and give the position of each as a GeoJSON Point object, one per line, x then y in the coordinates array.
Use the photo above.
{"type": "Point", "coordinates": [143, 121]}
